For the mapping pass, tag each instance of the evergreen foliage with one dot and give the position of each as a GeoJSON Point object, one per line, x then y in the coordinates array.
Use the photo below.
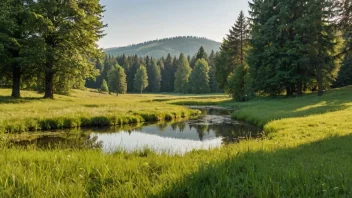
{"type": "Point", "coordinates": [201, 54]}
{"type": "Point", "coordinates": [168, 75]}
{"type": "Point", "coordinates": [199, 79]}
{"type": "Point", "coordinates": [345, 74]}
{"type": "Point", "coordinates": [154, 77]}
{"type": "Point", "coordinates": [232, 55]}
{"type": "Point", "coordinates": [159, 48]}
{"type": "Point", "coordinates": [292, 46]}
{"type": "Point", "coordinates": [237, 85]}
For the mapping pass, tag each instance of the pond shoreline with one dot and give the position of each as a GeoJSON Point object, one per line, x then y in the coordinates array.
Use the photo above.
{"type": "Point", "coordinates": [212, 129]}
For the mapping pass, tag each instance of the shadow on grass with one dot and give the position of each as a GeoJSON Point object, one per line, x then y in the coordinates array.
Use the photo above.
{"type": "Point", "coordinates": [12, 100]}
{"type": "Point", "coordinates": [319, 169]}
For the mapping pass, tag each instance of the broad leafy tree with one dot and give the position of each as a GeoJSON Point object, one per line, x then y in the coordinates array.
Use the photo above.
{"type": "Point", "coordinates": [141, 79]}
{"type": "Point", "coordinates": [20, 45]}
{"type": "Point", "coordinates": [117, 80]}
{"type": "Point", "coordinates": [104, 86]}
{"type": "Point", "coordinates": [70, 30]}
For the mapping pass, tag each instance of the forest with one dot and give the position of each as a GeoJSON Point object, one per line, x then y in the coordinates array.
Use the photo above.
{"type": "Point", "coordinates": [275, 51]}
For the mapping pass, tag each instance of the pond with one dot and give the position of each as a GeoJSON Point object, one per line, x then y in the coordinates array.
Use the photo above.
{"type": "Point", "coordinates": [211, 130]}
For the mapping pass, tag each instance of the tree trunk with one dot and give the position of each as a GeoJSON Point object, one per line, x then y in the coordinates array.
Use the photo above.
{"type": "Point", "coordinates": [288, 91]}
{"type": "Point", "coordinates": [49, 81]}
{"type": "Point", "coordinates": [320, 81]}
{"type": "Point", "coordinates": [16, 81]}
{"type": "Point", "coordinates": [299, 88]}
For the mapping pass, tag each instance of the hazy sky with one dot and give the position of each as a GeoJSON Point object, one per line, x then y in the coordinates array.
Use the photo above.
{"type": "Point", "coordinates": [135, 21]}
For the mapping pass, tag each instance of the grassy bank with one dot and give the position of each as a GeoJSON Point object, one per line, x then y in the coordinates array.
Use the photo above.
{"type": "Point", "coordinates": [307, 153]}
{"type": "Point", "coordinates": [82, 109]}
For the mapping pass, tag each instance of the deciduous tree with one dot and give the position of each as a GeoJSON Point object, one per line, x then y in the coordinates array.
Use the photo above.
{"type": "Point", "coordinates": [141, 79]}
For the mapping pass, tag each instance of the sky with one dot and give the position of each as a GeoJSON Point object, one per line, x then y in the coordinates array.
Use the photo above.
{"type": "Point", "coordinates": [136, 21]}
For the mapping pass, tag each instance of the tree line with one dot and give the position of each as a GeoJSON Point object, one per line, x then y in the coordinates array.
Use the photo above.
{"type": "Point", "coordinates": [48, 45]}
{"type": "Point", "coordinates": [160, 40]}
{"type": "Point", "coordinates": [180, 74]}
{"type": "Point", "coordinates": [284, 47]}
{"type": "Point", "coordinates": [287, 47]}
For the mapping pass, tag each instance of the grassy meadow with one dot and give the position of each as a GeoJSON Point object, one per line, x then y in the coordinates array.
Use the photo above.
{"type": "Point", "coordinates": [306, 151]}
{"type": "Point", "coordinates": [82, 108]}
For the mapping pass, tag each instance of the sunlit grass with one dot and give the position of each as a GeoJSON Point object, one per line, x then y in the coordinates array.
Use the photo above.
{"type": "Point", "coordinates": [82, 108]}
{"type": "Point", "coordinates": [306, 153]}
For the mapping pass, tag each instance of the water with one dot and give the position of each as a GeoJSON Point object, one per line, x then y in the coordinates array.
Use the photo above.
{"type": "Point", "coordinates": [213, 129]}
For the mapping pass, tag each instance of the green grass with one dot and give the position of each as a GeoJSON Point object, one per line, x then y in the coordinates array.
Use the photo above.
{"type": "Point", "coordinates": [82, 108]}
{"type": "Point", "coordinates": [306, 153]}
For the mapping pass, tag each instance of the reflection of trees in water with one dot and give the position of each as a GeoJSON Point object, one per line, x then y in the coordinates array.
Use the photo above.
{"type": "Point", "coordinates": [181, 126]}
{"type": "Point", "coordinates": [162, 126]}
{"type": "Point", "coordinates": [174, 126]}
{"type": "Point", "coordinates": [230, 133]}
{"type": "Point", "coordinates": [67, 141]}
{"type": "Point", "coordinates": [216, 112]}
{"type": "Point", "coordinates": [201, 129]}
{"type": "Point", "coordinates": [234, 133]}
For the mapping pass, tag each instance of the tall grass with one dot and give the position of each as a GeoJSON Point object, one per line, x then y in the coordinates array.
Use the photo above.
{"type": "Point", "coordinates": [307, 153]}
{"type": "Point", "coordinates": [82, 109]}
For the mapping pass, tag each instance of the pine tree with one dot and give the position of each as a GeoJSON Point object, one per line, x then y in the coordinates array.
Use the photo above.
{"type": "Point", "coordinates": [154, 77]}
{"type": "Point", "coordinates": [167, 75]}
{"type": "Point", "coordinates": [193, 62]}
{"type": "Point", "coordinates": [212, 72]}
{"type": "Point", "coordinates": [141, 79]}
{"type": "Point", "coordinates": [233, 50]}
{"type": "Point", "coordinates": [117, 80]}
{"type": "Point", "coordinates": [132, 72]}
{"type": "Point", "coordinates": [223, 67]}
{"type": "Point", "coordinates": [189, 58]}
{"type": "Point", "coordinates": [199, 79]}
{"type": "Point", "coordinates": [182, 74]}
{"type": "Point", "coordinates": [201, 54]}
{"type": "Point", "coordinates": [211, 59]}
{"type": "Point", "coordinates": [345, 74]}
{"type": "Point", "coordinates": [345, 24]}
{"type": "Point", "coordinates": [295, 49]}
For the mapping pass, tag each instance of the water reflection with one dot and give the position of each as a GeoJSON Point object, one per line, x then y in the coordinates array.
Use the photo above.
{"type": "Point", "coordinates": [52, 140]}
{"type": "Point", "coordinates": [213, 129]}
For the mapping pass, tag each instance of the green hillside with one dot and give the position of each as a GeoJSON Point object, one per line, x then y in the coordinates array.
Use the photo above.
{"type": "Point", "coordinates": [158, 48]}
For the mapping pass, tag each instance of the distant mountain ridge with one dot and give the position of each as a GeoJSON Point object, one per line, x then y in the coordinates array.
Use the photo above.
{"type": "Point", "coordinates": [188, 45]}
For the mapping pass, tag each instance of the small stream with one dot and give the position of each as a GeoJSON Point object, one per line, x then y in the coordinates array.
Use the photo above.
{"type": "Point", "coordinates": [211, 130]}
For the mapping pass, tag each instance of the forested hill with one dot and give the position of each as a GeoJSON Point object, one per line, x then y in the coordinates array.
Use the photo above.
{"type": "Point", "coordinates": [160, 48]}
